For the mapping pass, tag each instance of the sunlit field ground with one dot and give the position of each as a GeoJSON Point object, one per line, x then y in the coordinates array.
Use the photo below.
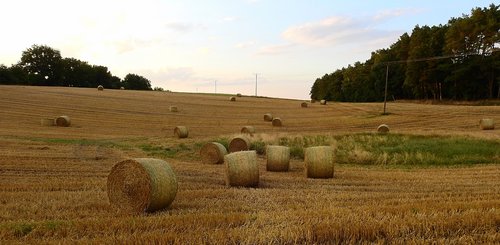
{"type": "Point", "coordinates": [434, 178]}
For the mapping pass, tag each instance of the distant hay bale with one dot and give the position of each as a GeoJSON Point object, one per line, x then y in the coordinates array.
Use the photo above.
{"type": "Point", "coordinates": [100, 88]}
{"type": "Point", "coordinates": [141, 185]}
{"type": "Point", "coordinates": [383, 129]}
{"type": "Point", "coordinates": [122, 88]}
{"type": "Point", "coordinates": [238, 95]}
{"type": "Point", "coordinates": [63, 121]}
{"type": "Point", "coordinates": [278, 158]}
{"type": "Point", "coordinates": [248, 130]}
{"type": "Point", "coordinates": [48, 122]}
{"type": "Point", "coordinates": [240, 143]}
{"type": "Point", "coordinates": [213, 153]}
{"type": "Point", "coordinates": [487, 124]}
{"type": "Point", "coordinates": [242, 169]}
{"type": "Point", "coordinates": [303, 105]}
{"type": "Point", "coordinates": [181, 132]}
{"type": "Point", "coordinates": [232, 98]}
{"type": "Point", "coordinates": [313, 101]}
{"type": "Point", "coordinates": [268, 117]}
{"type": "Point", "coordinates": [319, 162]}
{"type": "Point", "coordinates": [173, 109]}
{"type": "Point", "coordinates": [323, 102]}
{"type": "Point", "coordinates": [277, 122]}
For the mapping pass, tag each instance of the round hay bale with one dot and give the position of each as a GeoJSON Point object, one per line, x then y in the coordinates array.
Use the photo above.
{"type": "Point", "coordinates": [63, 121]}
{"type": "Point", "coordinates": [242, 169]}
{"type": "Point", "coordinates": [240, 143]}
{"type": "Point", "coordinates": [181, 132]}
{"type": "Point", "coordinates": [323, 102]}
{"type": "Point", "coordinates": [238, 95]}
{"type": "Point", "coordinates": [173, 109]}
{"type": "Point", "coordinates": [383, 129]}
{"type": "Point", "coordinates": [277, 122]}
{"type": "Point", "coordinates": [100, 88]}
{"type": "Point", "coordinates": [268, 117]}
{"type": "Point", "coordinates": [278, 158]}
{"type": "Point", "coordinates": [319, 162]}
{"type": "Point", "coordinates": [141, 185]}
{"type": "Point", "coordinates": [313, 101]}
{"type": "Point", "coordinates": [248, 130]}
{"type": "Point", "coordinates": [303, 105]}
{"type": "Point", "coordinates": [487, 124]}
{"type": "Point", "coordinates": [122, 88]}
{"type": "Point", "coordinates": [48, 122]}
{"type": "Point", "coordinates": [232, 98]}
{"type": "Point", "coordinates": [213, 153]}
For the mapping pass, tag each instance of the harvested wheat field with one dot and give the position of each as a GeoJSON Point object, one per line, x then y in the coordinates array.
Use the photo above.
{"type": "Point", "coordinates": [434, 178]}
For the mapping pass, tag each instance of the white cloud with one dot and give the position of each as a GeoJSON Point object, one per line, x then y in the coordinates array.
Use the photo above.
{"type": "Point", "coordinates": [247, 44]}
{"type": "Point", "coordinates": [182, 26]}
{"type": "Point", "coordinates": [276, 49]}
{"type": "Point", "coordinates": [386, 14]}
{"type": "Point", "coordinates": [334, 31]}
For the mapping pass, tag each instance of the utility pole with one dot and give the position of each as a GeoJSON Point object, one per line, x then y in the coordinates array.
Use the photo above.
{"type": "Point", "coordinates": [256, 84]}
{"type": "Point", "coordinates": [385, 94]}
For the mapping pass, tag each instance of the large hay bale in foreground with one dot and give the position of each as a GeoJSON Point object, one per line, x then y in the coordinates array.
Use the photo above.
{"type": "Point", "coordinates": [240, 143]}
{"type": "Point", "coordinates": [303, 104]}
{"type": "Point", "coordinates": [232, 98]}
{"type": "Point", "coordinates": [141, 185]}
{"type": "Point", "coordinates": [181, 132]}
{"type": "Point", "coordinates": [63, 121]}
{"type": "Point", "coordinates": [248, 130]}
{"type": "Point", "coordinates": [278, 158]}
{"type": "Point", "coordinates": [487, 124]}
{"type": "Point", "coordinates": [323, 102]}
{"type": "Point", "coordinates": [213, 153]}
{"type": "Point", "coordinates": [319, 162]}
{"type": "Point", "coordinates": [268, 117]}
{"type": "Point", "coordinates": [173, 109]}
{"type": "Point", "coordinates": [383, 129]}
{"type": "Point", "coordinates": [277, 122]}
{"type": "Point", "coordinates": [100, 88]}
{"type": "Point", "coordinates": [48, 122]}
{"type": "Point", "coordinates": [242, 169]}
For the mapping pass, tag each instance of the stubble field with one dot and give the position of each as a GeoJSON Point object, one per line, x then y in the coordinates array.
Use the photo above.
{"type": "Point", "coordinates": [53, 179]}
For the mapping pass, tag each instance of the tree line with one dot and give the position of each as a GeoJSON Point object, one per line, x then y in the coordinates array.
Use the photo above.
{"type": "Point", "coordinates": [41, 65]}
{"type": "Point", "coordinates": [455, 61]}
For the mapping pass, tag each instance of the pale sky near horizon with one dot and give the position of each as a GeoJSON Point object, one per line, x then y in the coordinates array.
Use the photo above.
{"type": "Point", "coordinates": [187, 45]}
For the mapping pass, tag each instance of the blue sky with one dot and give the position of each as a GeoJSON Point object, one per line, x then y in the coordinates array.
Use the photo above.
{"type": "Point", "coordinates": [188, 45]}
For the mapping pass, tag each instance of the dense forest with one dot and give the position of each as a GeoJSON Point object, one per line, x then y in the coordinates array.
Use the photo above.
{"type": "Point", "coordinates": [42, 65]}
{"type": "Point", "coordinates": [455, 61]}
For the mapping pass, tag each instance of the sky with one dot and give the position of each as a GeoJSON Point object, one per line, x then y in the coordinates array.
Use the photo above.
{"type": "Point", "coordinates": [222, 46]}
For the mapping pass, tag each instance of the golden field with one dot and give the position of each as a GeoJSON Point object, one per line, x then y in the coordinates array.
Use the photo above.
{"type": "Point", "coordinates": [53, 179]}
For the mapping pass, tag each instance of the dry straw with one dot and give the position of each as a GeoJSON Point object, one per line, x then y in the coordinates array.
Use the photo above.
{"type": "Point", "coordinates": [213, 153]}
{"type": "Point", "coordinates": [242, 169]}
{"type": "Point", "coordinates": [173, 109]}
{"type": "Point", "coordinates": [303, 105]}
{"type": "Point", "coordinates": [63, 121]}
{"type": "Point", "coordinates": [277, 122]}
{"type": "Point", "coordinates": [48, 122]}
{"type": "Point", "coordinates": [181, 132]}
{"type": "Point", "coordinates": [319, 162]}
{"type": "Point", "coordinates": [232, 98]}
{"type": "Point", "coordinates": [268, 117]}
{"type": "Point", "coordinates": [240, 143]}
{"type": "Point", "coordinates": [100, 88]}
{"type": "Point", "coordinates": [323, 102]}
{"type": "Point", "coordinates": [383, 129]}
{"type": "Point", "coordinates": [248, 130]}
{"type": "Point", "coordinates": [278, 158]}
{"type": "Point", "coordinates": [141, 185]}
{"type": "Point", "coordinates": [487, 124]}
